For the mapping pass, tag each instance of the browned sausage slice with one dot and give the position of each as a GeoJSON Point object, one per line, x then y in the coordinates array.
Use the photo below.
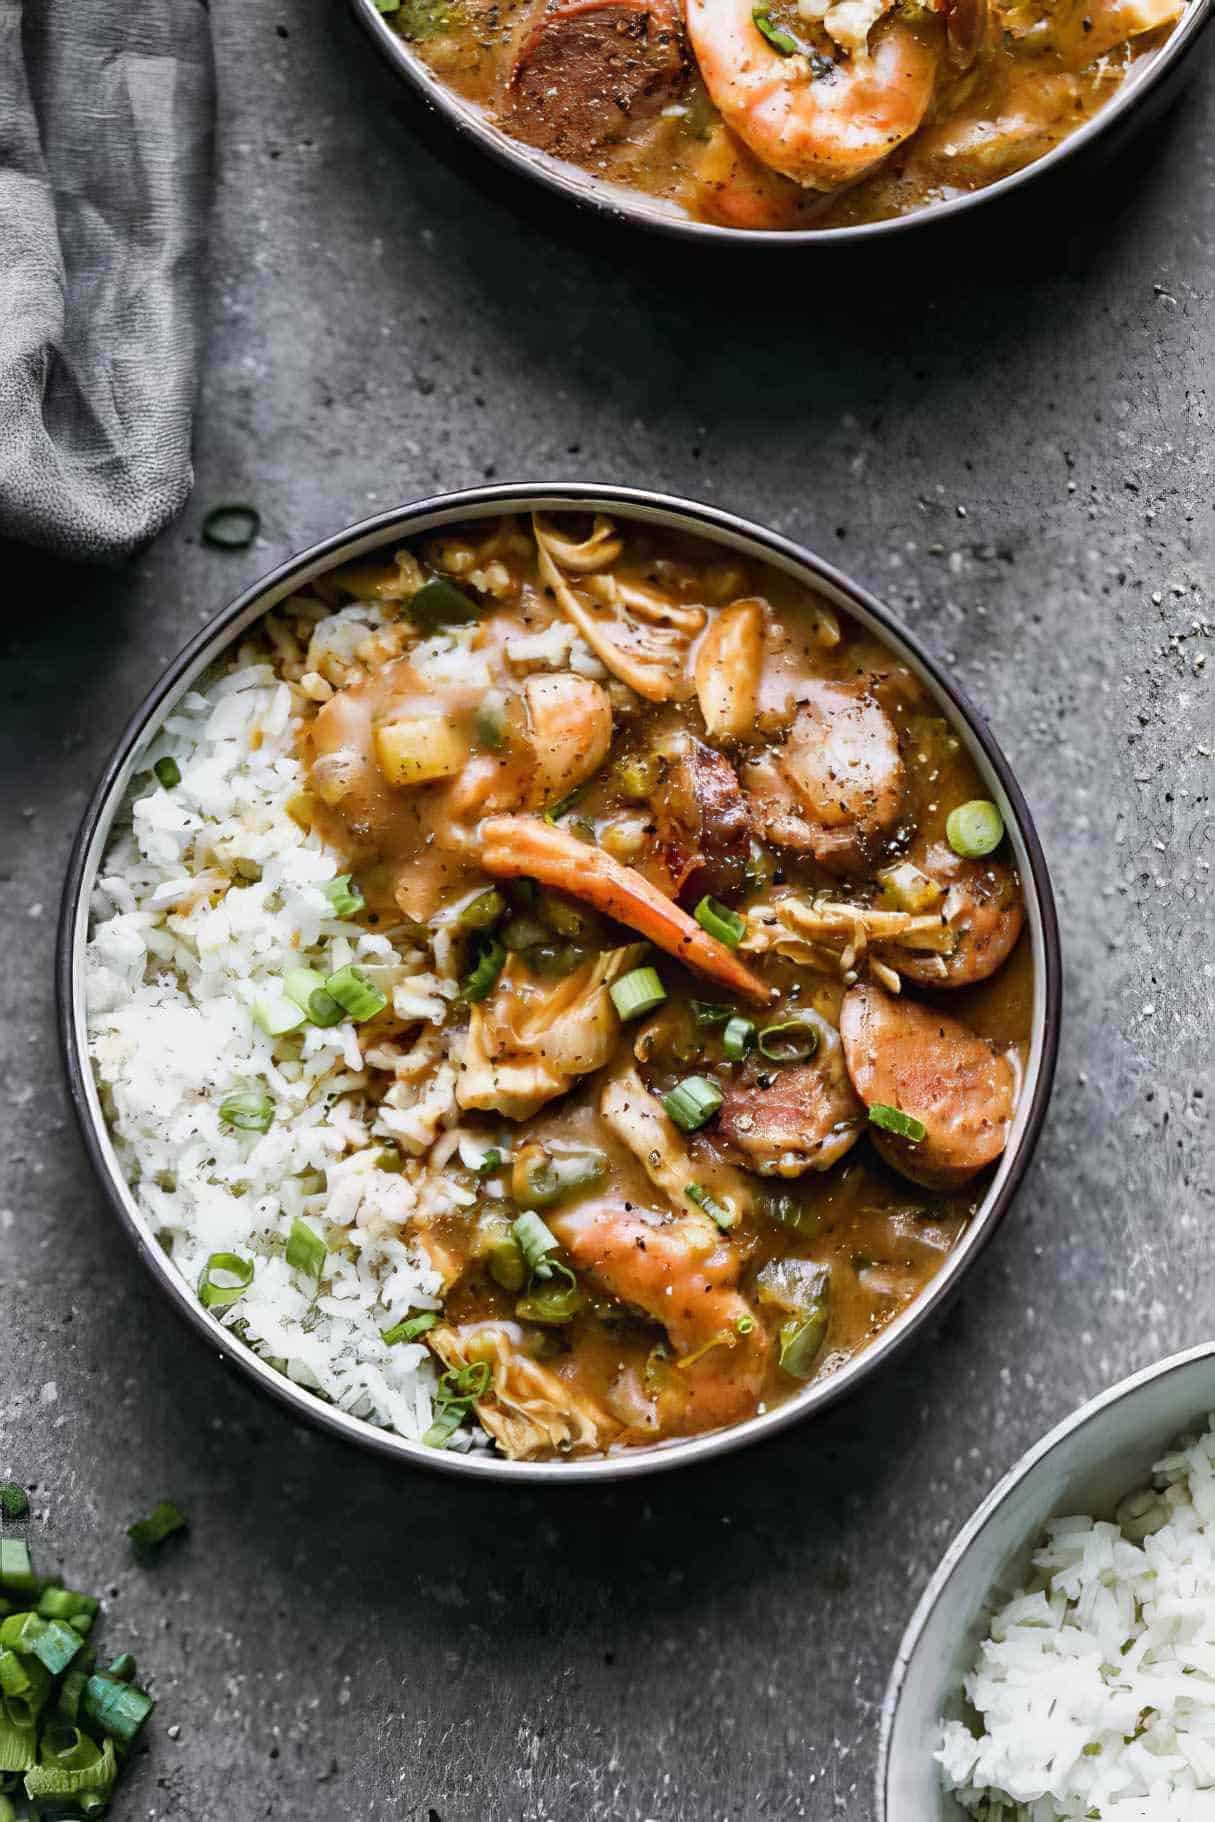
{"type": "Point", "coordinates": [585, 69]}
{"type": "Point", "coordinates": [983, 908]}
{"type": "Point", "coordinates": [926, 1064]}
{"type": "Point", "coordinates": [805, 1118]}
{"type": "Point", "coordinates": [703, 826]}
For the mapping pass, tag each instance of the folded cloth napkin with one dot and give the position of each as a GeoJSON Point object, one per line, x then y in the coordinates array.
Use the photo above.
{"type": "Point", "coordinates": [106, 111]}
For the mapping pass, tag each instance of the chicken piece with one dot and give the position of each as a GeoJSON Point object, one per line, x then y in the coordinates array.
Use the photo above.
{"type": "Point", "coordinates": [983, 913]}
{"type": "Point", "coordinates": [569, 731]}
{"type": "Point", "coordinates": [515, 847]}
{"type": "Point", "coordinates": [640, 1121]}
{"type": "Point", "coordinates": [702, 823]}
{"type": "Point", "coordinates": [836, 786]}
{"type": "Point", "coordinates": [642, 636]}
{"type": "Point", "coordinates": [805, 1119]}
{"type": "Point", "coordinates": [531, 1040]}
{"type": "Point", "coordinates": [729, 662]}
{"type": "Point", "coordinates": [684, 1275]}
{"type": "Point", "coordinates": [527, 1410]}
{"type": "Point", "coordinates": [935, 1069]}
{"type": "Point", "coordinates": [584, 71]}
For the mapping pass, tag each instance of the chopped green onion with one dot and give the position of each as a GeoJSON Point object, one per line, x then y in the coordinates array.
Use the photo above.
{"type": "Point", "coordinates": [792, 1040]}
{"type": "Point", "coordinates": [637, 993]}
{"type": "Point", "coordinates": [780, 41]}
{"type": "Point", "coordinates": [344, 896]}
{"type": "Point", "coordinates": [557, 810]}
{"type": "Point", "coordinates": [737, 1038]}
{"type": "Point", "coordinates": [21, 1632]}
{"type": "Point", "coordinates": [482, 912]}
{"type": "Point", "coordinates": [231, 527]}
{"type": "Point", "coordinates": [18, 1743]}
{"type": "Point", "coordinates": [801, 1341]}
{"type": "Point", "coordinates": [117, 1709]}
{"type": "Point", "coordinates": [123, 1669]}
{"type": "Point", "coordinates": [213, 1295]}
{"type": "Point", "coordinates": [13, 1501]}
{"type": "Point", "coordinates": [490, 1162]}
{"type": "Point", "coordinates": [299, 984]}
{"type": "Point", "coordinates": [411, 1328]}
{"type": "Point", "coordinates": [692, 1101]}
{"type": "Point", "coordinates": [168, 772]}
{"type": "Point", "coordinates": [481, 982]}
{"type": "Point", "coordinates": [454, 1397]}
{"type": "Point", "coordinates": [974, 829]}
{"type": "Point", "coordinates": [387, 6]}
{"type": "Point", "coordinates": [323, 1009]}
{"type": "Point", "coordinates": [57, 1645]}
{"type": "Point", "coordinates": [717, 1211]}
{"type": "Point", "coordinates": [355, 994]}
{"type": "Point", "coordinates": [278, 1016]}
{"type": "Point", "coordinates": [305, 1249]}
{"type": "Point", "coordinates": [250, 1111]}
{"type": "Point", "coordinates": [745, 1325]}
{"type": "Point", "coordinates": [554, 1302]}
{"type": "Point", "coordinates": [164, 1520]}
{"type": "Point", "coordinates": [84, 1768]}
{"type": "Point", "coordinates": [534, 1238]}
{"type": "Point", "coordinates": [893, 1119]}
{"type": "Point", "coordinates": [708, 1012]}
{"type": "Point", "coordinates": [16, 1570]}
{"type": "Point", "coordinates": [440, 603]}
{"type": "Point", "coordinates": [718, 919]}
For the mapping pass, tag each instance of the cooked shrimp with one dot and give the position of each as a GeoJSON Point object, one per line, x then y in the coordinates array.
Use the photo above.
{"type": "Point", "coordinates": [821, 126]}
{"type": "Point", "coordinates": [804, 1119]}
{"type": "Point", "coordinates": [684, 1275]}
{"type": "Point", "coordinates": [836, 786]}
{"type": "Point", "coordinates": [983, 912]}
{"type": "Point", "coordinates": [938, 1071]}
{"type": "Point", "coordinates": [569, 729]}
{"type": "Point", "coordinates": [523, 847]}
{"type": "Point", "coordinates": [728, 665]}
{"type": "Point", "coordinates": [640, 1121]}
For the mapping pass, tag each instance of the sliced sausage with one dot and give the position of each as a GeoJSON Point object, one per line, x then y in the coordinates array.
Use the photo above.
{"type": "Point", "coordinates": [585, 69]}
{"type": "Point", "coordinates": [984, 909]}
{"type": "Point", "coordinates": [786, 1120]}
{"type": "Point", "coordinates": [835, 788]}
{"type": "Point", "coordinates": [703, 825]}
{"type": "Point", "coordinates": [926, 1064]}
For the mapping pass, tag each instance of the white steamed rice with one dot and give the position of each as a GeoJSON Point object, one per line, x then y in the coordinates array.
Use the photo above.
{"type": "Point", "coordinates": [1096, 1687]}
{"type": "Point", "coordinates": [172, 977]}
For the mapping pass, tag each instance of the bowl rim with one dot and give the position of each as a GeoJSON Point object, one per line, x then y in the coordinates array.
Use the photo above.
{"type": "Point", "coordinates": [616, 203]}
{"type": "Point", "coordinates": [412, 519]}
{"type": "Point", "coordinates": [1058, 1437]}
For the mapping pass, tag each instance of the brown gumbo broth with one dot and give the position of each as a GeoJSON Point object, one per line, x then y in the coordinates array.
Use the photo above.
{"type": "Point", "coordinates": [794, 114]}
{"type": "Point", "coordinates": [739, 1033]}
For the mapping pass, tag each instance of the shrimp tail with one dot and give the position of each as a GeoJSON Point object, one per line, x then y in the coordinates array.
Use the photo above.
{"type": "Point", "coordinates": [514, 847]}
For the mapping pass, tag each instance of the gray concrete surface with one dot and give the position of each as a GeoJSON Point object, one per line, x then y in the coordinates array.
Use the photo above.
{"type": "Point", "coordinates": [1010, 439]}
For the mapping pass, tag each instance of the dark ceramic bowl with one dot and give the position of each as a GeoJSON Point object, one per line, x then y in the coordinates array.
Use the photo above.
{"type": "Point", "coordinates": [733, 534]}
{"type": "Point", "coordinates": [1139, 100]}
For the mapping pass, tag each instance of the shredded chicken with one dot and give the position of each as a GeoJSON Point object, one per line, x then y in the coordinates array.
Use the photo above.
{"type": "Point", "coordinates": [527, 1409]}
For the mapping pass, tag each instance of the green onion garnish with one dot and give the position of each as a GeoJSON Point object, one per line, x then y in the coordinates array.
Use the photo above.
{"type": "Point", "coordinates": [355, 994]}
{"type": "Point", "coordinates": [718, 919]}
{"type": "Point", "coordinates": [168, 772]}
{"type": "Point", "coordinates": [737, 1038]}
{"type": "Point", "coordinates": [323, 1009]}
{"type": "Point", "coordinates": [454, 1397]}
{"type": "Point", "coordinates": [554, 1302]}
{"type": "Point", "coordinates": [16, 1573]}
{"type": "Point", "coordinates": [164, 1520]}
{"type": "Point", "coordinates": [893, 1119]}
{"type": "Point", "coordinates": [792, 1040]}
{"type": "Point", "coordinates": [637, 993]}
{"type": "Point", "coordinates": [344, 896]}
{"type": "Point", "coordinates": [305, 1249]}
{"type": "Point", "coordinates": [57, 1645]}
{"type": "Point", "coordinates": [534, 1238]}
{"type": "Point", "coordinates": [557, 810]}
{"type": "Point", "coordinates": [231, 527]}
{"type": "Point", "coordinates": [974, 829]}
{"type": "Point", "coordinates": [708, 1012]}
{"type": "Point", "coordinates": [217, 1296]}
{"type": "Point", "coordinates": [692, 1101]}
{"type": "Point", "coordinates": [84, 1770]}
{"type": "Point", "coordinates": [13, 1501]}
{"type": "Point", "coordinates": [745, 1325]}
{"type": "Point", "coordinates": [411, 1328]}
{"type": "Point", "coordinates": [387, 6]}
{"type": "Point", "coordinates": [55, 1603]}
{"type": "Point", "coordinates": [779, 40]}
{"type": "Point", "coordinates": [481, 982]}
{"type": "Point", "coordinates": [278, 1016]}
{"type": "Point", "coordinates": [490, 1162]}
{"type": "Point", "coordinates": [123, 1669]}
{"type": "Point", "coordinates": [717, 1211]}
{"type": "Point", "coordinates": [299, 984]}
{"type": "Point", "coordinates": [250, 1111]}
{"type": "Point", "coordinates": [118, 1709]}
{"type": "Point", "coordinates": [21, 1632]}
{"type": "Point", "coordinates": [440, 603]}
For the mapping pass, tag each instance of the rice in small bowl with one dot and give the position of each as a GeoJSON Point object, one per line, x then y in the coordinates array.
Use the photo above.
{"type": "Point", "coordinates": [176, 990]}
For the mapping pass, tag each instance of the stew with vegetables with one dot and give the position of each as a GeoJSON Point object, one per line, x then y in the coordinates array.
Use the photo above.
{"type": "Point", "coordinates": [737, 990]}
{"type": "Point", "coordinates": [790, 113]}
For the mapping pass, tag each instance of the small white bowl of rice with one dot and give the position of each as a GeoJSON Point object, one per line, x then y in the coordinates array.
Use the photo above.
{"type": "Point", "coordinates": [1061, 1663]}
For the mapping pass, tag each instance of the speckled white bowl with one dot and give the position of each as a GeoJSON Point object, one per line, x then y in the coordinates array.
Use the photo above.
{"type": "Point", "coordinates": [1087, 1464]}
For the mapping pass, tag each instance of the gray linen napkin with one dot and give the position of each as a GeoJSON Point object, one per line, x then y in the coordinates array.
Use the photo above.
{"type": "Point", "coordinates": [106, 111]}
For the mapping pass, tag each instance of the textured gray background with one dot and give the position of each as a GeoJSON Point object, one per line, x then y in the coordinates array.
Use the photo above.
{"type": "Point", "coordinates": [342, 1639]}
